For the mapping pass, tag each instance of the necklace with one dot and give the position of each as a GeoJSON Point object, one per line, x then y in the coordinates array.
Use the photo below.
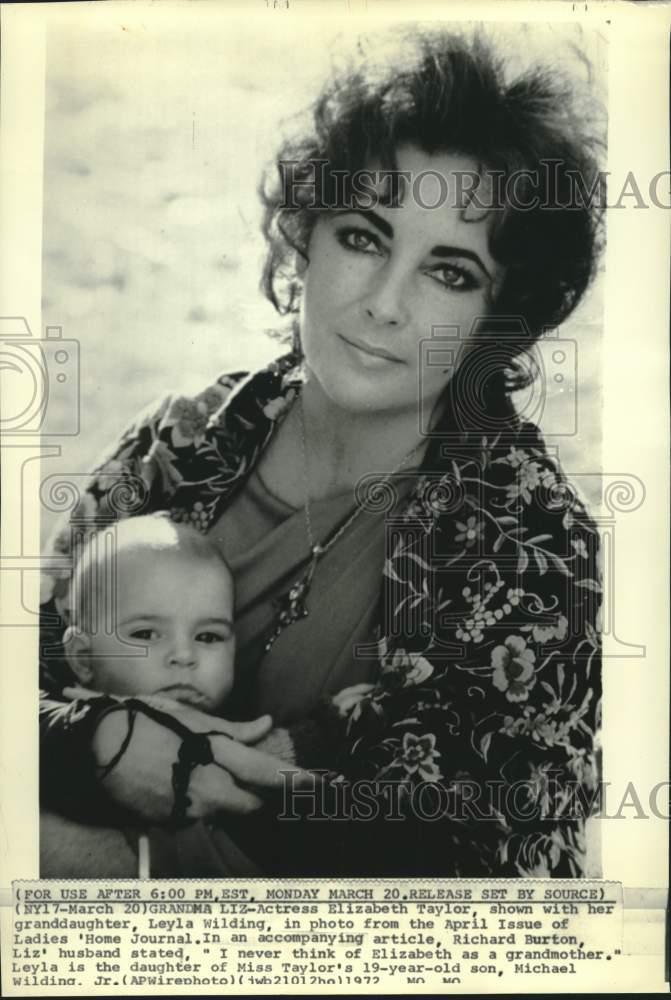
{"type": "Point", "coordinates": [291, 607]}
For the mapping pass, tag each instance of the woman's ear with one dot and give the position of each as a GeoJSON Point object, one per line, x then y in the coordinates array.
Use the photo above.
{"type": "Point", "coordinates": [77, 647]}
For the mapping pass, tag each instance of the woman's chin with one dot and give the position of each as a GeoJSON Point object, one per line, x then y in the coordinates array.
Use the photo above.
{"type": "Point", "coordinates": [354, 402]}
{"type": "Point", "coordinates": [357, 392]}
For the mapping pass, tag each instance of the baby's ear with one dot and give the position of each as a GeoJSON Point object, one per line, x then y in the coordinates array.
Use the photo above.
{"type": "Point", "coordinates": [77, 646]}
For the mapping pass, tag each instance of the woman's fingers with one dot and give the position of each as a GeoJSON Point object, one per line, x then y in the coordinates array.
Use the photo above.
{"type": "Point", "coordinates": [161, 702]}
{"type": "Point", "coordinates": [141, 778]}
{"type": "Point", "coordinates": [346, 699]}
{"type": "Point", "coordinates": [247, 732]}
{"type": "Point", "coordinates": [244, 732]}
{"type": "Point", "coordinates": [212, 790]}
{"type": "Point", "coordinates": [201, 722]}
{"type": "Point", "coordinates": [255, 768]}
{"type": "Point", "coordinates": [75, 691]}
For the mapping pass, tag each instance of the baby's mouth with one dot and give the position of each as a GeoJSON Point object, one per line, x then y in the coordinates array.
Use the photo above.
{"type": "Point", "coordinates": [185, 693]}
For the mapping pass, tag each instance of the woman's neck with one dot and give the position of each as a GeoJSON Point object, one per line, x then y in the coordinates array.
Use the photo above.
{"type": "Point", "coordinates": [343, 445]}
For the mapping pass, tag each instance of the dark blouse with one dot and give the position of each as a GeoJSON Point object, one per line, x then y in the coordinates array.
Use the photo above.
{"type": "Point", "coordinates": [261, 537]}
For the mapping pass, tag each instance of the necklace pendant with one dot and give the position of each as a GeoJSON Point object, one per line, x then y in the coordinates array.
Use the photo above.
{"type": "Point", "coordinates": [295, 602]}
{"type": "Point", "coordinates": [291, 608]}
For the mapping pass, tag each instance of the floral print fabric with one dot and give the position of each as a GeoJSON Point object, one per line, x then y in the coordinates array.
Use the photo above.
{"type": "Point", "coordinates": [489, 669]}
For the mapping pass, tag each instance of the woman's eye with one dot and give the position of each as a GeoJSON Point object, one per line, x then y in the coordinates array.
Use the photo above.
{"type": "Point", "coordinates": [451, 276]}
{"type": "Point", "coordinates": [358, 239]}
{"type": "Point", "coordinates": [144, 634]}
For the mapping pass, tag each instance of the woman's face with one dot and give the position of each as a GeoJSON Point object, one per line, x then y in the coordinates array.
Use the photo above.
{"type": "Point", "coordinates": [378, 282]}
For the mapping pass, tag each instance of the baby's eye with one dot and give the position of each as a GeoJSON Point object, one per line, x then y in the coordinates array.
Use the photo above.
{"type": "Point", "coordinates": [211, 637]}
{"type": "Point", "coordinates": [144, 634]}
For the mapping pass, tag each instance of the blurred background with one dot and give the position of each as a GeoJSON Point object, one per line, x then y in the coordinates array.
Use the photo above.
{"type": "Point", "coordinates": [154, 145]}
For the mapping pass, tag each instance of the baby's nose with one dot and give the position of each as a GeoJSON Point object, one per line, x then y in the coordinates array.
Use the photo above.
{"type": "Point", "coordinates": [182, 655]}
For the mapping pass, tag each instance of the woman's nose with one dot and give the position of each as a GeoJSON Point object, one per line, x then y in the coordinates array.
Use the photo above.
{"type": "Point", "coordinates": [385, 303]}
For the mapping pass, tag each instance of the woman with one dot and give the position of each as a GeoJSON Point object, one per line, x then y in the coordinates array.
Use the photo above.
{"type": "Point", "coordinates": [388, 517]}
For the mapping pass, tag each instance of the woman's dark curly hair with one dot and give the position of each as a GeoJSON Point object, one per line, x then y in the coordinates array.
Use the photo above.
{"type": "Point", "coordinates": [447, 92]}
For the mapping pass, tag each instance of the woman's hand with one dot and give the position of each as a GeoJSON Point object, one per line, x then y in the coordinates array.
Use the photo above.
{"type": "Point", "coordinates": [141, 780]}
{"type": "Point", "coordinates": [349, 697]}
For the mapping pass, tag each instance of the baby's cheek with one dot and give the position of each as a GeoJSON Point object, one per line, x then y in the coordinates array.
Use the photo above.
{"type": "Point", "coordinates": [222, 669]}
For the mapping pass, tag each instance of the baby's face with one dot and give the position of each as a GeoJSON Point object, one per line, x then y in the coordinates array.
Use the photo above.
{"type": "Point", "coordinates": [177, 611]}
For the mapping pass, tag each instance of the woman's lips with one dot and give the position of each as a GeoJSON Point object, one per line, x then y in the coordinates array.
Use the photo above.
{"type": "Point", "coordinates": [371, 350]}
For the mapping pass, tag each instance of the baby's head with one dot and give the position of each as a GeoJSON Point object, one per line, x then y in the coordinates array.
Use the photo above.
{"type": "Point", "coordinates": [168, 628]}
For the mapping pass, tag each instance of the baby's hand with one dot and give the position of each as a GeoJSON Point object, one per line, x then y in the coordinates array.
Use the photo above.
{"type": "Point", "coordinates": [346, 699]}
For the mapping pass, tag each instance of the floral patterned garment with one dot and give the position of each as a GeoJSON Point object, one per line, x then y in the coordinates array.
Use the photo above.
{"type": "Point", "coordinates": [485, 710]}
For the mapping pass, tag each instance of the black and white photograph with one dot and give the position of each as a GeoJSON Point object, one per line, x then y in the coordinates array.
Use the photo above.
{"type": "Point", "coordinates": [327, 502]}
{"type": "Point", "coordinates": [349, 548]}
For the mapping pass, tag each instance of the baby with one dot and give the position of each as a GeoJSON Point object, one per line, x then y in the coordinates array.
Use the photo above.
{"type": "Point", "coordinates": [152, 617]}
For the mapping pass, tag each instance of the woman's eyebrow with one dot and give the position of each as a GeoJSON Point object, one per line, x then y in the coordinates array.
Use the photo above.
{"type": "Point", "coordinates": [438, 251]}
{"type": "Point", "coordinates": [376, 220]}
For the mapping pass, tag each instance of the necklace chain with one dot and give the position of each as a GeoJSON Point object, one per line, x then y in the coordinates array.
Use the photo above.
{"type": "Point", "coordinates": [291, 606]}
{"type": "Point", "coordinates": [319, 549]}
